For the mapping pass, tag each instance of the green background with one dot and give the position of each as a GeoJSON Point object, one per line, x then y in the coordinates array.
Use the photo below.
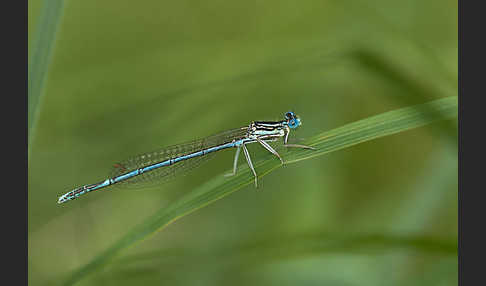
{"type": "Point", "coordinates": [130, 77]}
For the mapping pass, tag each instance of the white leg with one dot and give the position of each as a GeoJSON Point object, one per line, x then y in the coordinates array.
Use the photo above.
{"type": "Point", "coordinates": [287, 132]}
{"type": "Point", "coordinates": [235, 163]}
{"type": "Point", "coordinates": [269, 148]}
{"type": "Point", "coordinates": [286, 138]}
{"type": "Point", "coordinates": [248, 159]}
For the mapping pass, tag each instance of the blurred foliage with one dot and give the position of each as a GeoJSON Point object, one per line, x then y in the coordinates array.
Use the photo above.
{"type": "Point", "coordinates": [128, 77]}
{"type": "Point", "coordinates": [40, 57]}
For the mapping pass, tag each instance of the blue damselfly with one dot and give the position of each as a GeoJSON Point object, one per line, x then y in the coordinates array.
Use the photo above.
{"type": "Point", "coordinates": [177, 159]}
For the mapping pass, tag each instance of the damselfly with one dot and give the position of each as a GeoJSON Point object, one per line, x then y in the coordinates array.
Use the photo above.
{"type": "Point", "coordinates": [177, 159]}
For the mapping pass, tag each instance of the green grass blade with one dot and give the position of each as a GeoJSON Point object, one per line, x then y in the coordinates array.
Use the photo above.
{"type": "Point", "coordinates": [348, 135]}
{"type": "Point", "coordinates": [40, 59]}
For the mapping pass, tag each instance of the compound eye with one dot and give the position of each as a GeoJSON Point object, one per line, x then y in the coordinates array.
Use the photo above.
{"type": "Point", "coordinates": [294, 122]}
{"type": "Point", "coordinates": [289, 115]}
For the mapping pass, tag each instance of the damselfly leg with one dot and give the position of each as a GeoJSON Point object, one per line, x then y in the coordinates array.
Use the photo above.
{"type": "Point", "coordinates": [235, 163]}
{"type": "Point", "coordinates": [300, 146]}
{"type": "Point", "coordinates": [248, 159]}
{"type": "Point", "coordinates": [269, 148]}
{"type": "Point", "coordinates": [286, 138]}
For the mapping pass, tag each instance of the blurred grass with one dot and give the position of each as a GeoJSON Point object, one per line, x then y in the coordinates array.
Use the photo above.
{"type": "Point", "coordinates": [374, 63]}
{"type": "Point", "coordinates": [45, 39]}
{"type": "Point", "coordinates": [282, 247]}
{"type": "Point", "coordinates": [128, 78]}
{"type": "Point", "coordinates": [333, 140]}
{"type": "Point", "coordinates": [285, 246]}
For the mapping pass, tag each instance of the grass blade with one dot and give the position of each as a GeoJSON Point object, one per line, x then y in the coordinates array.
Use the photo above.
{"type": "Point", "coordinates": [38, 66]}
{"type": "Point", "coordinates": [348, 135]}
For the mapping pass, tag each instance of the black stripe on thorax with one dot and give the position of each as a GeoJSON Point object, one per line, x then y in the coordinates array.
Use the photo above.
{"type": "Point", "coordinates": [267, 125]}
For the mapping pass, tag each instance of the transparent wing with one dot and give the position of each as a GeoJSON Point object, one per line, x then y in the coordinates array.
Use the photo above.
{"type": "Point", "coordinates": [158, 175]}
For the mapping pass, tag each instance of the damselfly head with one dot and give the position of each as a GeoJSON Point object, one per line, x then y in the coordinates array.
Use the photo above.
{"type": "Point", "coordinates": [293, 121]}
